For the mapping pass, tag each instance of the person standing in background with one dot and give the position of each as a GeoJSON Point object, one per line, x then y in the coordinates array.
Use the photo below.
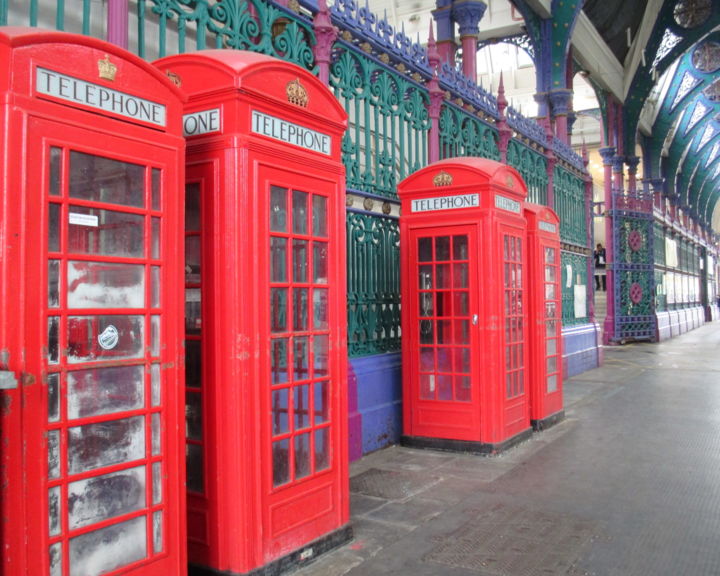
{"type": "Point", "coordinates": [600, 267]}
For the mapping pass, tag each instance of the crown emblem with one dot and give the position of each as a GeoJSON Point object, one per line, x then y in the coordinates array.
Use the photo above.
{"type": "Point", "coordinates": [296, 93]}
{"type": "Point", "coordinates": [107, 69]}
{"type": "Point", "coordinates": [442, 178]}
{"type": "Point", "coordinates": [509, 181]}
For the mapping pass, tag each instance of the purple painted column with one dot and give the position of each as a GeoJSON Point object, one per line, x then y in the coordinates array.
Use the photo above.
{"type": "Point", "coordinates": [326, 34]}
{"type": "Point", "coordinates": [118, 15]}
{"type": "Point", "coordinates": [504, 131]}
{"type": "Point", "coordinates": [468, 13]}
{"type": "Point", "coordinates": [632, 164]}
{"type": "Point", "coordinates": [561, 104]}
{"type": "Point", "coordinates": [608, 154]}
{"type": "Point", "coordinates": [445, 31]}
{"type": "Point", "coordinates": [437, 95]}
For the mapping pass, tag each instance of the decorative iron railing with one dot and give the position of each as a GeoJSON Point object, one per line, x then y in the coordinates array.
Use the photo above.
{"type": "Point", "coordinates": [532, 165]}
{"type": "Point", "coordinates": [464, 134]}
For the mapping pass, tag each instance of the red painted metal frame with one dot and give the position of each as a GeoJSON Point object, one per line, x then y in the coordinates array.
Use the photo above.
{"type": "Point", "coordinates": [241, 521]}
{"type": "Point", "coordinates": [31, 125]}
{"type": "Point", "coordinates": [545, 300]}
{"type": "Point", "coordinates": [492, 416]}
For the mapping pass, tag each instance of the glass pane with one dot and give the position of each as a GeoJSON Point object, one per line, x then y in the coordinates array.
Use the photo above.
{"type": "Point", "coordinates": [157, 483]}
{"type": "Point", "coordinates": [192, 260]}
{"type": "Point", "coordinates": [193, 363]}
{"type": "Point", "coordinates": [442, 275]}
{"type": "Point", "coordinates": [442, 302]}
{"type": "Point", "coordinates": [549, 291]}
{"type": "Point", "coordinates": [300, 212]}
{"type": "Point", "coordinates": [280, 411]}
{"type": "Point", "coordinates": [106, 180]}
{"type": "Point", "coordinates": [462, 332]}
{"type": "Point", "coordinates": [460, 247]}
{"type": "Point", "coordinates": [442, 248]}
{"type": "Point", "coordinates": [551, 347]}
{"type": "Point", "coordinates": [155, 286]}
{"type": "Point", "coordinates": [193, 416]}
{"type": "Point", "coordinates": [106, 232]}
{"type": "Point", "coordinates": [319, 216]}
{"type": "Point", "coordinates": [55, 165]}
{"type": "Point", "coordinates": [462, 388]}
{"type": "Point", "coordinates": [425, 280]}
{"type": "Point", "coordinates": [53, 335]}
{"type": "Point", "coordinates": [549, 255]}
{"type": "Point", "coordinates": [552, 364]}
{"type": "Point", "coordinates": [550, 309]}
{"type": "Point", "coordinates": [102, 497]}
{"type": "Point", "coordinates": [156, 173]}
{"type": "Point", "coordinates": [105, 337]}
{"type": "Point", "coordinates": [320, 308]}
{"type": "Point", "coordinates": [54, 510]}
{"type": "Point", "coordinates": [322, 449]}
{"type": "Point", "coordinates": [279, 360]}
{"type": "Point", "coordinates": [462, 303]}
{"type": "Point", "coordinates": [551, 328]}
{"type": "Point", "coordinates": [300, 357]}
{"type": "Point", "coordinates": [55, 561]}
{"type": "Point", "coordinates": [154, 335]}
{"type": "Point", "coordinates": [301, 406]}
{"type": "Point", "coordinates": [445, 387]}
{"type": "Point", "coordinates": [281, 468]}
{"type": "Point", "coordinates": [549, 273]}
{"type": "Point", "coordinates": [278, 309]}
{"type": "Point", "coordinates": [53, 394]}
{"type": "Point", "coordinates": [300, 260]}
{"type": "Point", "coordinates": [444, 332]}
{"type": "Point", "coordinates": [427, 335]}
{"type": "Point", "coordinates": [300, 309]}
{"type": "Point", "coordinates": [104, 285]}
{"type": "Point", "coordinates": [460, 275]}
{"type": "Point", "coordinates": [53, 444]}
{"type": "Point", "coordinates": [320, 355]}
{"type": "Point", "coordinates": [157, 532]}
{"type": "Point", "coordinates": [193, 310]}
{"type": "Point", "coordinates": [427, 386]}
{"type": "Point", "coordinates": [462, 360]}
{"type": "Point", "coordinates": [105, 443]}
{"type": "Point", "coordinates": [156, 440]}
{"type": "Point", "coordinates": [427, 359]}
{"type": "Point", "coordinates": [320, 262]}
{"type": "Point", "coordinates": [155, 238]}
{"type": "Point", "coordinates": [552, 383]}
{"type": "Point", "coordinates": [194, 468]}
{"type": "Point", "coordinates": [424, 249]}
{"type": "Point", "coordinates": [444, 360]}
{"type": "Point", "coordinates": [278, 209]}
{"type": "Point", "coordinates": [426, 304]}
{"type": "Point", "coordinates": [321, 402]}
{"type": "Point", "coordinates": [302, 456]}
{"type": "Point", "coordinates": [278, 259]}
{"type": "Point", "coordinates": [105, 391]}
{"type": "Point", "coordinates": [104, 550]}
{"type": "Point", "coordinates": [54, 228]}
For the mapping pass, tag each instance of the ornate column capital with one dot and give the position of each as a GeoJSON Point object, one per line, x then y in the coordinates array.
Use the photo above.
{"type": "Point", "coordinates": [607, 154]}
{"type": "Point", "coordinates": [560, 101]}
{"type": "Point", "coordinates": [467, 14]}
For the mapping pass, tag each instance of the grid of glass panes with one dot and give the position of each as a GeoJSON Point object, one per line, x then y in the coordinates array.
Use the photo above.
{"type": "Point", "coordinates": [105, 459]}
{"type": "Point", "coordinates": [443, 273]}
{"type": "Point", "coordinates": [194, 451]}
{"type": "Point", "coordinates": [300, 335]}
{"type": "Point", "coordinates": [513, 302]}
{"type": "Point", "coordinates": [552, 322]}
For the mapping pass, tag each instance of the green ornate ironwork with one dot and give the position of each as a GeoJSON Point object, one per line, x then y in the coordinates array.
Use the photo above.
{"type": "Point", "coordinates": [574, 273]}
{"type": "Point", "coordinates": [532, 165]}
{"type": "Point", "coordinates": [570, 206]}
{"type": "Point", "coordinates": [373, 284]}
{"type": "Point", "coordinates": [60, 17]}
{"type": "Point", "coordinates": [388, 122]}
{"type": "Point", "coordinates": [463, 134]}
{"type": "Point", "coordinates": [252, 25]}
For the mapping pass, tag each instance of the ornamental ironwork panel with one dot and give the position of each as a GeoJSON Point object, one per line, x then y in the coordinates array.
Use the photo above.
{"type": "Point", "coordinates": [574, 267]}
{"type": "Point", "coordinates": [661, 304]}
{"type": "Point", "coordinates": [570, 206]}
{"type": "Point", "coordinates": [87, 17]}
{"type": "Point", "coordinates": [463, 134]}
{"type": "Point", "coordinates": [532, 165]}
{"type": "Point", "coordinates": [387, 136]}
{"type": "Point", "coordinates": [373, 283]}
{"type": "Point", "coordinates": [186, 25]}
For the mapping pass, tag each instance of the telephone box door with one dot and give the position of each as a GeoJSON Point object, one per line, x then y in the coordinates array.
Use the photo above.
{"type": "Point", "coordinates": [104, 483]}
{"type": "Point", "coordinates": [443, 296]}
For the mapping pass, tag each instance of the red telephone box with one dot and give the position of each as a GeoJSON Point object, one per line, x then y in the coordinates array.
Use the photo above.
{"type": "Point", "coordinates": [544, 316]}
{"type": "Point", "coordinates": [90, 313]}
{"type": "Point", "coordinates": [265, 312]}
{"type": "Point", "coordinates": [463, 317]}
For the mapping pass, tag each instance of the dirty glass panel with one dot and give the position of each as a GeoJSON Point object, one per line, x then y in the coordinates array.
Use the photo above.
{"type": "Point", "coordinates": [156, 189]}
{"type": "Point", "coordinates": [427, 386]}
{"type": "Point", "coordinates": [193, 415]}
{"type": "Point", "coordinates": [301, 406]}
{"type": "Point", "coordinates": [54, 511]}
{"type": "Point", "coordinates": [320, 308]}
{"type": "Point", "coordinates": [301, 358]}
{"type": "Point", "coordinates": [109, 548]}
{"type": "Point", "coordinates": [193, 258]}
{"type": "Point", "coordinates": [154, 335]}
{"type": "Point", "coordinates": [157, 532]}
{"type": "Point", "coordinates": [194, 467]}
{"type": "Point", "coordinates": [302, 456]}
{"type": "Point", "coordinates": [55, 560]}
{"type": "Point", "coordinates": [300, 309]}
{"type": "Point", "coordinates": [278, 209]}
{"type": "Point", "coordinates": [319, 216]}
{"type": "Point", "coordinates": [427, 359]}
{"type": "Point", "coordinates": [155, 238]}
{"type": "Point", "coordinates": [106, 180]}
{"type": "Point", "coordinates": [193, 363]}
{"type": "Point", "coordinates": [55, 167]}
{"type": "Point", "coordinates": [300, 260]}
{"type": "Point", "coordinates": [550, 347]}
{"type": "Point", "coordinates": [552, 383]}
{"type": "Point", "coordinates": [53, 444]}
{"type": "Point", "coordinates": [460, 247]}
{"type": "Point", "coordinates": [300, 212]}
{"type": "Point", "coordinates": [53, 283]}
{"type": "Point", "coordinates": [425, 278]}
{"type": "Point", "coordinates": [322, 449]}
{"type": "Point", "coordinates": [427, 334]}
{"type": "Point", "coordinates": [192, 206]}
{"type": "Point", "coordinates": [280, 411]}
{"type": "Point", "coordinates": [320, 262]}
{"type": "Point", "coordinates": [425, 249]}
{"type": "Point", "coordinates": [53, 334]}
{"type": "Point", "coordinates": [155, 286]}
{"type": "Point", "coordinates": [445, 387]}
{"type": "Point", "coordinates": [278, 309]}
{"type": "Point", "coordinates": [53, 391]}
{"type": "Point", "coordinates": [442, 248]}
{"type": "Point", "coordinates": [155, 384]}
{"type": "Point", "coordinates": [156, 440]}
{"type": "Point", "coordinates": [105, 443]}
{"type": "Point", "coordinates": [105, 232]}
{"type": "Point", "coordinates": [104, 285]}
{"type": "Point", "coordinates": [279, 360]}
{"type": "Point", "coordinates": [105, 337]}
{"type": "Point", "coordinates": [442, 275]}
{"type": "Point", "coordinates": [278, 259]}
{"type": "Point", "coordinates": [321, 402]}
{"type": "Point", "coordinates": [105, 391]}
{"type": "Point", "coordinates": [321, 344]}
{"type": "Point", "coordinates": [54, 228]}
{"type": "Point", "coordinates": [462, 388]}
{"type": "Point", "coordinates": [193, 310]}
{"type": "Point", "coordinates": [103, 497]}
{"type": "Point", "coordinates": [281, 468]}
{"type": "Point", "coordinates": [460, 275]}
{"type": "Point", "coordinates": [157, 483]}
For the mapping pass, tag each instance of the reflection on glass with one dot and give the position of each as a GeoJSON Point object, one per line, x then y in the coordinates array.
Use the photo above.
{"type": "Point", "coordinates": [460, 247]}
{"type": "Point", "coordinates": [424, 249]}
{"type": "Point", "coordinates": [425, 279]}
{"type": "Point", "coordinates": [53, 393]}
{"type": "Point", "coordinates": [278, 209]}
{"type": "Point", "coordinates": [193, 415]}
{"type": "Point", "coordinates": [100, 391]}
{"type": "Point", "coordinates": [427, 359]}
{"type": "Point", "coordinates": [302, 456]}
{"type": "Point", "coordinates": [301, 406]}
{"type": "Point", "coordinates": [319, 216]}
{"type": "Point", "coordinates": [442, 248]}
{"type": "Point", "coordinates": [194, 468]}
{"type": "Point", "coordinates": [278, 309]}
{"type": "Point", "coordinates": [320, 262]}
{"type": "Point", "coordinates": [460, 275]}
{"type": "Point", "coordinates": [426, 304]}
{"type": "Point", "coordinates": [549, 255]}
{"type": "Point", "coordinates": [462, 360]}
{"type": "Point", "coordinates": [552, 364]}
{"type": "Point", "coordinates": [54, 511]}
{"type": "Point", "coordinates": [551, 347]}
{"type": "Point", "coordinates": [300, 309]}
{"type": "Point", "coordinates": [444, 359]}
{"type": "Point", "coordinates": [462, 389]}
{"type": "Point", "coordinates": [320, 308]}
{"type": "Point", "coordinates": [54, 228]}
{"type": "Point", "coordinates": [300, 211]}
{"type": "Point", "coordinates": [551, 328]}
{"type": "Point", "coordinates": [106, 180]}
{"type": "Point", "coordinates": [427, 335]}
{"type": "Point", "coordinates": [278, 259]}
{"type": "Point", "coordinates": [55, 166]}
{"type": "Point", "coordinates": [445, 387]}
{"type": "Point", "coordinates": [280, 411]}
{"type": "Point", "coordinates": [549, 273]}
{"type": "Point", "coordinates": [279, 360]}
{"type": "Point", "coordinates": [320, 355]}
{"type": "Point", "coordinates": [444, 332]}
{"type": "Point", "coordinates": [105, 443]}
{"type": "Point", "coordinates": [155, 177]}
{"type": "Point", "coordinates": [549, 291]}
{"type": "Point", "coordinates": [106, 549]}
{"type": "Point", "coordinates": [106, 232]}
{"type": "Point", "coordinates": [300, 358]}
{"type": "Point", "coordinates": [462, 303]}
{"type": "Point", "coordinates": [322, 449]}
{"type": "Point", "coordinates": [321, 402]}
{"type": "Point", "coordinates": [193, 310]}
{"type": "Point", "coordinates": [552, 383]}
{"type": "Point", "coordinates": [53, 441]}
{"type": "Point", "coordinates": [442, 275]}
{"type": "Point", "coordinates": [281, 468]}
{"type": "Point", "coordinates": [105, 285]}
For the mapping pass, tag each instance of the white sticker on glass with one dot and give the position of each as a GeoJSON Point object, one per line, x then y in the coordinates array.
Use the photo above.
{"type": "Point", "coordinates": [84, 219]}
{"type": "Point", "coordinates": [109, 337]}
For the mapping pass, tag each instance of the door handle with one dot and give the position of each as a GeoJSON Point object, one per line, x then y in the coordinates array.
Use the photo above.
{"type": "Point", "coordinates": [474, 319]}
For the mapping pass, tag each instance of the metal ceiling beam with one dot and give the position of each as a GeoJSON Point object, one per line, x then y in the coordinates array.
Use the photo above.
{"type": "Point", "coordinates": [596, 57]}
